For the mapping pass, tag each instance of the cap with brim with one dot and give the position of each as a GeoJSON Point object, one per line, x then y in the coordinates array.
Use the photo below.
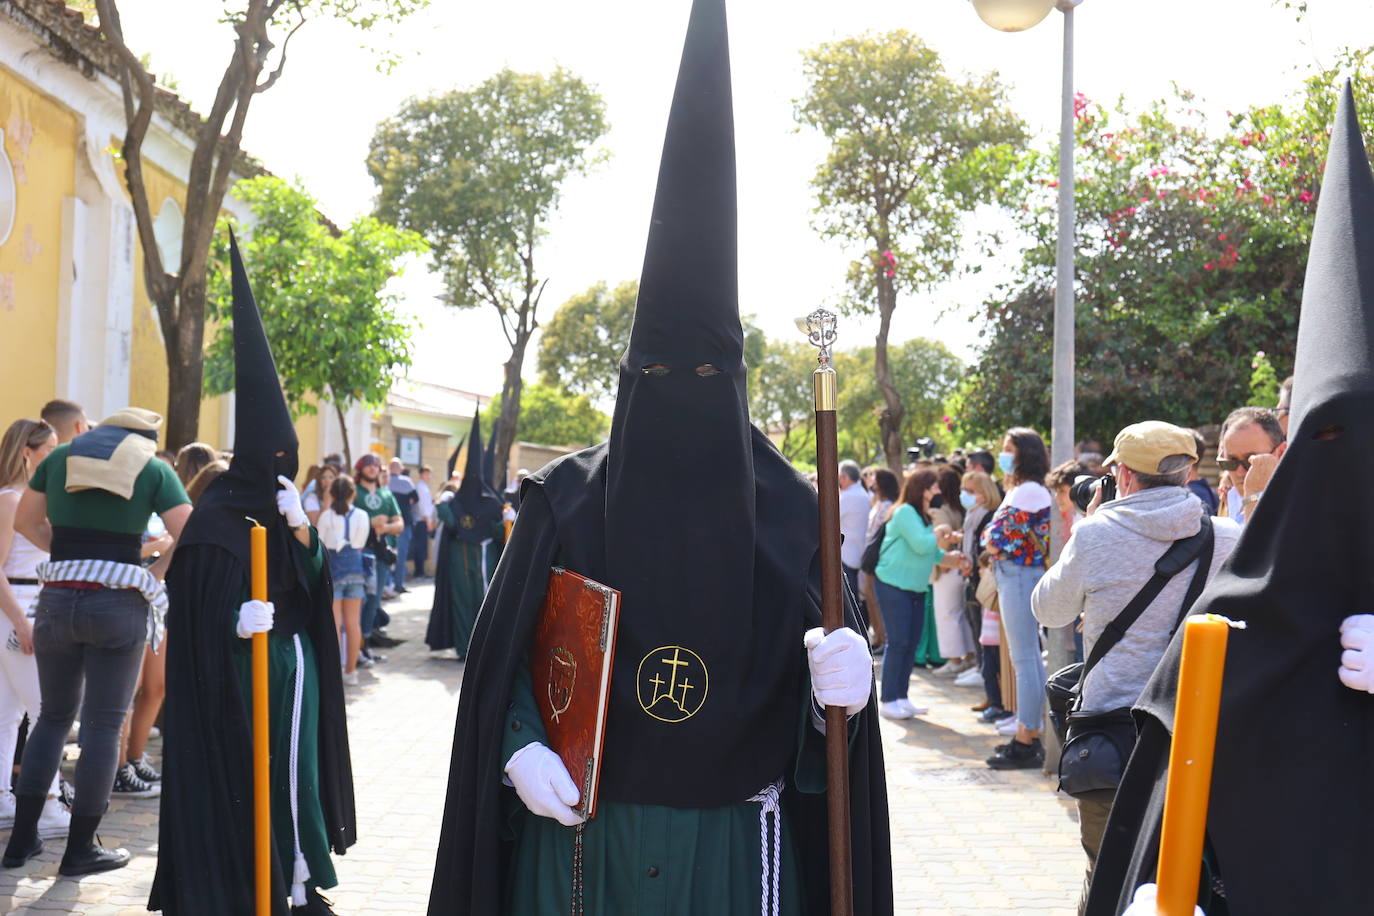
{"type": "Point", "coordinates": [135, 418]}
{"type": "Point", "coordinates": [1142, 446]}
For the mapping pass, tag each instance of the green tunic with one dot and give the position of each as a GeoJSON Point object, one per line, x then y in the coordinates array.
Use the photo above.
{"type": "Point", "coordinates": [469, 566]}
{"type": "Point", "coordinates": [281, 687]}
{"type": "Point", "coordinates": [648, 859]}
{"type": "Point", "coordinates": [928, 649]}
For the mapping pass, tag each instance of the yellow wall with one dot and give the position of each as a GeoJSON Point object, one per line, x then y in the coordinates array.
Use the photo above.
{"type": "Point", "coordinates": [40, 140]}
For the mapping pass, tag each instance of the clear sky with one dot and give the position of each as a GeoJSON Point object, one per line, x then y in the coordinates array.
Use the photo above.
{"type": "Point", "coordinates": [317, 122]}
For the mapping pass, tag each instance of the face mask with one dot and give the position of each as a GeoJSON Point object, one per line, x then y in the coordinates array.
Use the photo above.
{"type": "Point", "coordinates": [967, 500]}
{"type": "Point", "coordinates": [937, 501]}
{"type": "Point", "coordinates": [1007, 462]}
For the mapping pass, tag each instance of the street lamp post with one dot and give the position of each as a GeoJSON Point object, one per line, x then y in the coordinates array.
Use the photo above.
{"type": "Point", "coordinates": [1016, 16]}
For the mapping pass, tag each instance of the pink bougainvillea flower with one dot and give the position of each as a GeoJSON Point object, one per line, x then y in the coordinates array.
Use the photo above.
{"type": "Point", "coordinates": [1305, 197]}
{"type": "Point", "coordinates": [1207, 266]}
{"type": "Point", "coordinates": [1222, 237]}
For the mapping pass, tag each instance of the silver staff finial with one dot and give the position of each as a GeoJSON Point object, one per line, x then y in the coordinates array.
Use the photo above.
{"type": "Point", "coordinates": [819, 328]}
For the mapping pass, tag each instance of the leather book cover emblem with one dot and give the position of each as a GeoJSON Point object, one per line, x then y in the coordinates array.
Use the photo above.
{"type": "Point", "coordinates": [573, 651]}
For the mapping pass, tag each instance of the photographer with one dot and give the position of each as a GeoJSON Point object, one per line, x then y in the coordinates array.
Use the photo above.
{"type": "Point", "coordinates": [1110, 558]}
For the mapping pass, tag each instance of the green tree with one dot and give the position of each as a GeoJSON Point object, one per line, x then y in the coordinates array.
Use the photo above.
{"type": "Point", "coordinates": [912, 150]}
{"type": "Point", "coordinates": [335, 332]}
{"type": "Point", "coordinates": [256, 59]}
{"type": "Point", "coordinates": [1192, 248]}
{"type": "Point", "coordinates": [581, 344]}
{"type": "Point", "coordinates": [551, 416]}
{"type": "Point", "coordinates": [925, 374]}
{"type": "Point", "coordinates": [478, 172]}
{"type": "Point", "coordinates": [781, 402]}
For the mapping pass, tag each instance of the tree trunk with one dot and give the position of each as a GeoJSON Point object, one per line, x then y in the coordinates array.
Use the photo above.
{"type": "Point", "coordinates": [510, 407]}
{"type": "Point", "coordinates": [890, 420]}
{"type": "Point", "coordinates": [343, 428]}
{"type": "Point", "coordinates": [185, 361]}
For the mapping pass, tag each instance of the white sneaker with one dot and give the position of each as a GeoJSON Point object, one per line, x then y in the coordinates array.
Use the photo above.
{"type": "Point", "coordinates": [1007, 726]}
{"type": "Point", "coordinates": [350, 678]}
{"type": "Point", "coordinates": [6, 808]}
{"type": "Point", "coordinates": [896, 709]}
{"type": "Point", "coordinates": [970, 678]}
{"type": "Point", "coordinates": [912, 709]}
{"type": "Point", "coordinates": [54, 821]}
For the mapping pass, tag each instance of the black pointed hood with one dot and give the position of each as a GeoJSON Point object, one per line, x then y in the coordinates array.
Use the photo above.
{"type": "Point", "coordinates": [478, 507]}
{"type": "Point", "coordinates": [489, 465]}
{"type": "Point", "coordinates": [1336, 332]}
{"type": "Point", "coordinates": [262, 428]}
{"type": "Point", "coordinates": [453, 459]}
{"type": "Point", "coordinates": [262, 421]}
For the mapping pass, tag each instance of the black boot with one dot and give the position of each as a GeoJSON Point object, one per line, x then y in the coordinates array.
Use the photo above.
{"type": "Point", "coordinates": [24, 842]}
{"type": "Point", "coordinates": [83, 855]}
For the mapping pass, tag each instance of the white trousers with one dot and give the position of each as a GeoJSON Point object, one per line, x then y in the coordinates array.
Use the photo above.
{"type": "Point", "coordinates": [19, 694]}
{"type": "Point", "coordinates": [951, 623]}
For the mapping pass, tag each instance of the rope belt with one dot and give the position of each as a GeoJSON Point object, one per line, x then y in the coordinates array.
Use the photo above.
{"type": "Point", "coordinates": [300, 872]}
{"type": "Point", "coordinates": [770, 855]}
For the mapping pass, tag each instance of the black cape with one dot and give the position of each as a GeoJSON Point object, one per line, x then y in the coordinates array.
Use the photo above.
{"type": "Point", "coordinates": [474, 848]}
{"type": "Point", "coordinates": [205, 831]}
{"type": "Point", "coordinates": [1290, 826]}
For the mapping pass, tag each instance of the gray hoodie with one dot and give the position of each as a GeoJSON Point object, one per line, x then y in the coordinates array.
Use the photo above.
{"type": "Point", "coordinates": [1109, 558]}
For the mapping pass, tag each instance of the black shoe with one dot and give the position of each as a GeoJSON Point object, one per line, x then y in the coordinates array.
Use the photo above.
{"type": "Point", "coordinates": [84, 856]}
{"type": "Point", "coordinates": [24, 843]}
{"type": "Point", "coordinates": [144, 770]}
{"type": "Point", "coordinates": [994, 714]}
{"type": "Point", "coordinates": [402, 590]}
{"type": "Point", "coordinates": [382, 641]}
{"type": "Point", "coordinates": [128, 784]}
{"type": "Point", "coordinates": [1018, 756]}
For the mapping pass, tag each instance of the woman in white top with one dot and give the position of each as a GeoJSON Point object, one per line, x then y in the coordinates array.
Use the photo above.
{"type": "Point", "coordinates": [342, 528]}
{"type": "Point", "coordinates": [315, 497]}
{"type": "Point", "coordinates": [24, 445]}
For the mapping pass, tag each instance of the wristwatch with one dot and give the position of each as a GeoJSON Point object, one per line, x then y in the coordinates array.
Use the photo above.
{"type": "Point", "coordinates": [1251, 500]}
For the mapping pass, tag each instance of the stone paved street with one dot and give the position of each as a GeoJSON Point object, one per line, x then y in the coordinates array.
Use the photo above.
{"type": "Point", "coordinates": [966, 840]}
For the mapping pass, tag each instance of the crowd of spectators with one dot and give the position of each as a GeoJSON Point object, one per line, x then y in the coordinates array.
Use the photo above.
{"type": "Point", "coordinates": [377, 525]}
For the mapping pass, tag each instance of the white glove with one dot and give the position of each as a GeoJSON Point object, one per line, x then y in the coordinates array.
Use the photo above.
{"type": "Point", "coordinates": [289, 503]}
{"type": "Point", "coordinates": [446, 496]}
{"type": "Point", "coordinates": [543, 783]}
{"type": "Point", "coordinates": [1144, 902]}
{"type": "Point", "coordinates": [841, 668]}
{"type": "Point", "coordinates": [1357, 661]}
{"type": "Point", "coordinates": [508, 514]}
{"type": "Point", "coordinates": [255, 617]}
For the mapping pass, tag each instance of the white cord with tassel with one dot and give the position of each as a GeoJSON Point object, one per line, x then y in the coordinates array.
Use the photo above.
{"type": "Point", "coordinates": [300, 871]}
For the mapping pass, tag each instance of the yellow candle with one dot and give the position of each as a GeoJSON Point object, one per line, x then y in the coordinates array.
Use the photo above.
{"type": "Point", "coordinates": [1190, 763]}
{"type": "Point", "coordinates": [262, 801]}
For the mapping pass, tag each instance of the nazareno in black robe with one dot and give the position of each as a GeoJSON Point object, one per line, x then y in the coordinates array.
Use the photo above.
{"type": "Point", "coordinates": [205, 861]}
{"type": "Point", "coordinates": [475, 847]}
{"type": "Point", "coordinates": [1290, 827]}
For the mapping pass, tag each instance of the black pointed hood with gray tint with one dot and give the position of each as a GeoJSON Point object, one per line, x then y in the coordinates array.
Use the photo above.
{"type": "Point", "coordinates": [262, 429]}
{"type": "Point", "coordinates": [1295, 747]}
{"type": "Point", "coordinates": [680, 516]}
{"type": "Point", "coordinates": [477, 507]}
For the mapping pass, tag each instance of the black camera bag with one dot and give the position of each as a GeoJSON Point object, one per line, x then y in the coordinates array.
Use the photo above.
{"type": "Point", "coordinates": [1097, 746]}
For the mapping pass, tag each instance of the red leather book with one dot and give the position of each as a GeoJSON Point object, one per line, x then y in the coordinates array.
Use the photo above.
{"type": "Point", "coordinates": [571, 657]}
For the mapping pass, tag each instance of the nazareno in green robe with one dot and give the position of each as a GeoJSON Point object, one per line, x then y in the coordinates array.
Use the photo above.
{"type": "Point", "coordinates": [650, 859]}
{"type": "Point", "coordinates": [463, 572]}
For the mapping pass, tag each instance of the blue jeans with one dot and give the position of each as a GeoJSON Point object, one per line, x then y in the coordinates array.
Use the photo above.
{"type": "Point", "coordinates": [95, 637]}
{"type": "Point", "coordinates": [402, 554]}
{"type": "Point", "coordinates": [1014, 586]}
{"type": "Point", "coordinates": [372, 603]}
{"type": "Point", "coordinates": [904, 616]}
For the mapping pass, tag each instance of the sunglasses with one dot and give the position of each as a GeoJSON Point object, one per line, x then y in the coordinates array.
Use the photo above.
{"type": "Point", "coordinates": [1230, 464]}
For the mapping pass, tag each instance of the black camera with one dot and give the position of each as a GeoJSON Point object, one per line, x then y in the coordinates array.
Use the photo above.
{"type": "Point", "coordinates": [1084, 487]}
{"type": "Point", "coordinates": [924, 448]}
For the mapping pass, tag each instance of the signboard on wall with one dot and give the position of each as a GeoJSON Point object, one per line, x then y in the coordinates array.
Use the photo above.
{"type": "Point", "coordinates": [408, 450]}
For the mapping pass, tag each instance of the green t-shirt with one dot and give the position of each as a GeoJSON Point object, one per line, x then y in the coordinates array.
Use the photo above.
{"type": "Point", "coordinates": [156, 490]}
{"type": "Point", "coordinates": [379, 502]}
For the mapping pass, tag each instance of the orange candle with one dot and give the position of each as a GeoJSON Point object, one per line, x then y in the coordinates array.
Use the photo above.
{"type": "Point", "coordinates": [262, 800]}
{"type": "Point", "coordinates": [1190, 763]}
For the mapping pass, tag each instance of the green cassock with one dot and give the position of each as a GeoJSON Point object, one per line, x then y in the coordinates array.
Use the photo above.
{"type": "Point", "coordinates": [469, 567]}
{"type": "Point", "coordinates": [281, 687]}
{"type": "Point", "coordinates": [650, 859]}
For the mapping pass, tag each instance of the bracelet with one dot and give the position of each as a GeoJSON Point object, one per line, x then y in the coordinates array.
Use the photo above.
{"type": "Point", "coordinates": [1251, 500]}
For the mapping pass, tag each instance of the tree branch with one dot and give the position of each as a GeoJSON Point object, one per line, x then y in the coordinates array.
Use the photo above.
{"type": "Point", "coordinates": [286, 43]}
